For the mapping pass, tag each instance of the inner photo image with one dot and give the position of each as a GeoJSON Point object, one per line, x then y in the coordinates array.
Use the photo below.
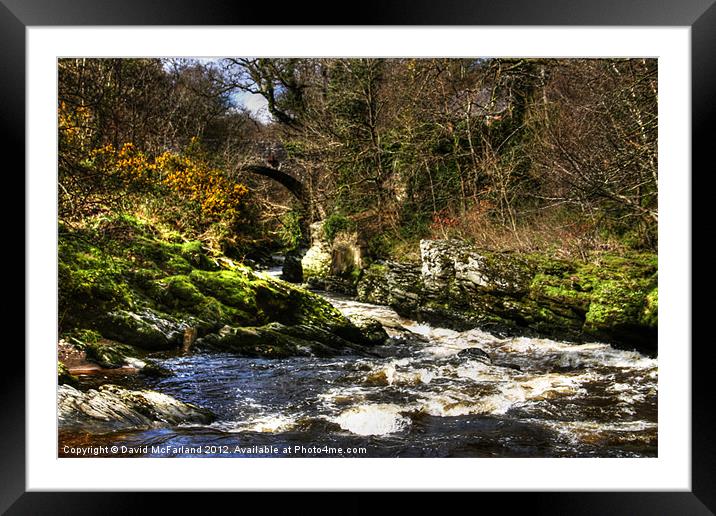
{"type": "Point", "coordinates": [357, 257]}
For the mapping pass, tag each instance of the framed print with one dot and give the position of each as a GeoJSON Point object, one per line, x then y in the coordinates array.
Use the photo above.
{"type": "Point", "coordinates": [419, 252]}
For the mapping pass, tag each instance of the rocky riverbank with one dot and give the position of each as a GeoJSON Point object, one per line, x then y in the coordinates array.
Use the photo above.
{"type": "Point", "coordinates": [128, 291]}
{"type": "Point", "coordinates": [610, 298]}
{"type": "Point", "coordinates": [122, 282]}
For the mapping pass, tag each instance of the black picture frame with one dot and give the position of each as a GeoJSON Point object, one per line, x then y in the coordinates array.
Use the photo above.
{"type": "Point", "coordinates": [699, 15]}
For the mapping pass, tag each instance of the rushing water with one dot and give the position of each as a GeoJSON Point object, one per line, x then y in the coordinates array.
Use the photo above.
{"type": "Point", "coordinates": [417, 397]}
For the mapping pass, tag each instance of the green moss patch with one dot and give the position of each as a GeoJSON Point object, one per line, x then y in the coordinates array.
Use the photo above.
{"type": "Point", "coordinates": [64, 376]}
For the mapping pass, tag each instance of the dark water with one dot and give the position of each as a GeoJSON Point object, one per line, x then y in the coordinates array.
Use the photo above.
{"type": "Point", "coordinates": [538, 398]}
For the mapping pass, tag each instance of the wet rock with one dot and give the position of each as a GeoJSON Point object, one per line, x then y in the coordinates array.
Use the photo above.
{"type": "Point", "coordinates": [292, 270]}
{"type": "Point", "coordinates": [151, 368]}
{"type": "Point", "coordinates": [276, 340]}
{"type": "Point", "coordinates": [475, 354]}
{"type": "Point", "coordinates": [371, 329]}
{"type": "Point", "coordinates": [145, 328]}
{"type": "Point", "coordinates": [508, 366]}
{"type": "Point", "coordinates": [112, 408]}
{"type": "Point", "coordinates": [105, 353]}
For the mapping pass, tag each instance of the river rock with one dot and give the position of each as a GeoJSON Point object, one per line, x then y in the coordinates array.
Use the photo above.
{"type": "Point", "coordinates": [292, 270]}
{"type": "Point", "coordinates": [276, 340]}
{"type": "Point", "coordinates": [317, 261]}
{"type": "Point", "coordinates": [398, 285]}
{"type": "Point", "coordinates": [112, 408]}
{"type": "Point", "coordinates": [458, 265]}
{"type": "Point", "coordinates": [144, 328]}
{"type": "Point", "coordinates": [476, 354]}
{"type": "Point", "coordinates": [371, 328]}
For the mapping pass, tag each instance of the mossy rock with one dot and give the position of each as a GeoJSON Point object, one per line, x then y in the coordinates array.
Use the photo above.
{"type": "Point", "coordinates": [276, 340]}
{"type": "Point", "coordinates": [90, 281]}
{"type": "Point", "coordinates": [268, 342]}
{"type": "Point", "coordinates": [146, 329]}
{"type": "Point", "coordinates": [153, 369]}
{"type": "Point", "coordinates": [613, 298]}
{"type": "Point", "coordinates": [228, 287]}
{"type": "Point", "coordinates": [567, 291]}
{"type": "Point", "coordinates": [616, 302]}
{"type": "Point", "coordinates": [374, 286]}
{"type": "Point", "coordinates": [495, 272]}
{"type": "Point", "coordinates": [105, 353]}
{"type": "Point", "coordinates": [371, 329]}
{"type": "Point", "coordinates": [178, 295]}
{"type": "Point", "coordinates": [64, 376]}
{"type": "Point", "coordinates": [650, 313]}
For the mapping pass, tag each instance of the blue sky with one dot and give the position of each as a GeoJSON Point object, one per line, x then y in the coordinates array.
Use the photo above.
{"type": "Point", "coordinates": [255, 104]}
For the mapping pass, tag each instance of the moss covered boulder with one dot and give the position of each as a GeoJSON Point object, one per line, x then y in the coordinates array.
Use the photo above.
{"type": "Point", "coordinates": [276, 340]}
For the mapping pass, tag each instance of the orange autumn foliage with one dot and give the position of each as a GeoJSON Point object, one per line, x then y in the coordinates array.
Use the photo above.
{"type": "Point", "coordinates": [193, 179]}
{"type": "Point", "coordinates": [196, 180]}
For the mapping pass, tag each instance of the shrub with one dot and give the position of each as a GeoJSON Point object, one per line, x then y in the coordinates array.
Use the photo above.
{"type": "Point", "coordinates": [337, 223]}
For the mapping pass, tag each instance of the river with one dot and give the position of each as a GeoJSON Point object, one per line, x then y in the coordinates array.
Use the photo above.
{"type": "Point", "coordinates": [419, 396]}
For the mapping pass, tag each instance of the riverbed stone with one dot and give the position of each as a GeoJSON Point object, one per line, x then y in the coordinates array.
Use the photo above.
{"type": "Point", "coordinates": [371, 329]}
{"type": "Point", "coordinates": [276, 340]}
{"type": "Point", "coordinates": [112, 408]}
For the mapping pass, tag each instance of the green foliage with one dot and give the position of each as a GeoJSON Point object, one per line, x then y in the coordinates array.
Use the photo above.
{"type": "Point", "coordinates": [85, 336]}
{"type": "Point", "coordinates": [379, 245]}
{"type": "Point", "coordinates": [336, 223]}
{"type": "Point", "coordinates": [290, 230]}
